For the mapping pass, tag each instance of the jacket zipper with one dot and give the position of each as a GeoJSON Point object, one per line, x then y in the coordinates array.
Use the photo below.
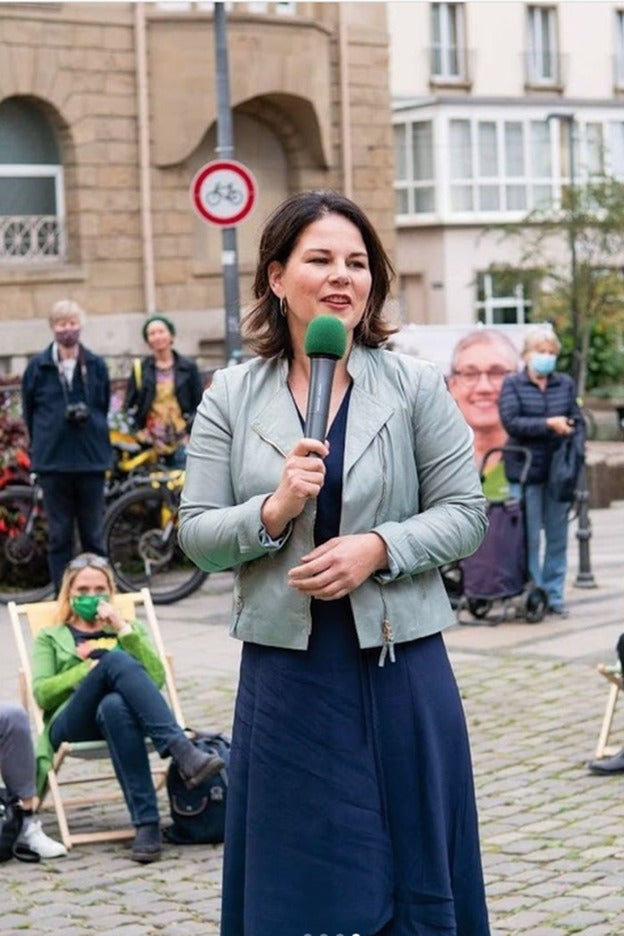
{"type": "Point", "coordinates": [387, 647]}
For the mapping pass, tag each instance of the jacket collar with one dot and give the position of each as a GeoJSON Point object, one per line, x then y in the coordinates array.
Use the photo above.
{"type": "Point", "coordinates": [62, 635]}
{"type": "Point", "coordinates": [279, 424]}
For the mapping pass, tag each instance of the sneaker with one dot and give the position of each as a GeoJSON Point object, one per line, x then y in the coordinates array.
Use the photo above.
{"type": "Point", "coordinates": [33, 836]}
{"type": "Point", "coordinates": [559, 611]}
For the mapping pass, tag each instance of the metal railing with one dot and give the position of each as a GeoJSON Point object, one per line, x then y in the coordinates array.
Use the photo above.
{"type": "Point", "coordinates": [24, 238]}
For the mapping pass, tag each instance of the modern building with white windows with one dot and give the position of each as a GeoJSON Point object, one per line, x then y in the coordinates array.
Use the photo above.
{"type": "Point", "coordinates": [490, 98]}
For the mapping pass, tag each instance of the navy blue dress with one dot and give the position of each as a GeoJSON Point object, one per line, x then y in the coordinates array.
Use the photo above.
{"type": "Point", "coordinates": [350, 804]}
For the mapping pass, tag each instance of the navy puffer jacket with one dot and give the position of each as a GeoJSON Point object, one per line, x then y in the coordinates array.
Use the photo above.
{"type": "Point", "coordinates": [524, 409]}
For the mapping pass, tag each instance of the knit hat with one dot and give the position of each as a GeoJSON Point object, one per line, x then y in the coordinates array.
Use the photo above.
{"type": "Point", "coordinates": [158, 318]}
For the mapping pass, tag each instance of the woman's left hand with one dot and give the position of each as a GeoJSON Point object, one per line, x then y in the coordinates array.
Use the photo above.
{"type": "Point", "coordinates": [338, 566]}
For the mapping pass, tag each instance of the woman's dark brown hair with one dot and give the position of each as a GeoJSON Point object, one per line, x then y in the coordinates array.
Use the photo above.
{"type": "Point", "coordinates": [264, 328]}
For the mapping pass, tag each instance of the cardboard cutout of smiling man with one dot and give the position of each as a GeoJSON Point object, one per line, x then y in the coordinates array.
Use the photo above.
{"type": "Point", "coordinates": [481, 360]}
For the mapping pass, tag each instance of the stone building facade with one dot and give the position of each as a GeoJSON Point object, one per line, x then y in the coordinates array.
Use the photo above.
{"type": "Point", "coordinates": [107, 111]}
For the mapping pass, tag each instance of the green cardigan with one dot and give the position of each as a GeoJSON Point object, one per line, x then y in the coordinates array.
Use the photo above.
{"type": "Point", "coordinates": [57, 670]}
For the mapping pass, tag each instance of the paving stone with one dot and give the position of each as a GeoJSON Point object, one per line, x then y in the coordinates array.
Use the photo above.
{"type": "Point", "coordinates": [553, 852]}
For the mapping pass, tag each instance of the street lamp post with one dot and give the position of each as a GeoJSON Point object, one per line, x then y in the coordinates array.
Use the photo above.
{"type": "Point", "coordinates": [585, 576]}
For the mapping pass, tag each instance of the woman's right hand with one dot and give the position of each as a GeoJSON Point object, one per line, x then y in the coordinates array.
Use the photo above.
{"type": "Point", "coordinates": [302, 478]}
{"type": "Point", "coordinates": [560, 425]}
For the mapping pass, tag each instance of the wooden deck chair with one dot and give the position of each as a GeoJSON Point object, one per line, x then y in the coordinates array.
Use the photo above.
{"type": "Point", "coordinates": [613, 675]}
{"type": "Point", "coordinates": [95, 776]}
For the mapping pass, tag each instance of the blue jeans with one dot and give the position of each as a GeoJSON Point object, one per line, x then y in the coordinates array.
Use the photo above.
{"type": "Point", "coordinates": [119, 702]}
{"type": "Point", "coordinates": [547, 565]}
{"type": "Point", "coordinates": [70, 499]}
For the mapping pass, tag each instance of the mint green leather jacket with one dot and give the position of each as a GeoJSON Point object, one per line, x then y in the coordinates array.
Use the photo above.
{"type": "Point", "coordinates": [409, 475]}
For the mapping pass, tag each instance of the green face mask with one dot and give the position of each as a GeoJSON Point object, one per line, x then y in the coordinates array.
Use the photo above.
{"type": "Point", "coordinates": [86, 606]}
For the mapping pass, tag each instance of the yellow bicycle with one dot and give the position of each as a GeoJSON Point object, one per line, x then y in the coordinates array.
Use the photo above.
{"type": "Point", "coordinates": [140, 523]}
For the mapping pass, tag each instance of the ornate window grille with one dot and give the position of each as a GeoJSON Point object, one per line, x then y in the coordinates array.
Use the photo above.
{"type": "Point", "coordinates": [25, 238]}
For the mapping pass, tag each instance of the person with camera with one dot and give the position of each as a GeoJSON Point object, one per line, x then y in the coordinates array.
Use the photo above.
{"type": "Point", "coordinates": [65, 401]}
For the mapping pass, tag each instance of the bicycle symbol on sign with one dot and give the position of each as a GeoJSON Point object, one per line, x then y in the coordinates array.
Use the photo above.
{"type": "Point", "coordinates": [224, 191]}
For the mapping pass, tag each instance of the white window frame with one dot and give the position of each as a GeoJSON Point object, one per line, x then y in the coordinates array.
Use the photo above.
{"type": "Point", "coordinates": [540, 53]}
{"type": "Point", "coordinates": [409, 184]}
{"type": "Point", "coordinates": [445, 48]}
{"type": "Point", "coordinates": [30, 222]}
{"type": "Point", "coordinates": [549, 188]}
{"type": "Point", "coordinates": [492, 303]}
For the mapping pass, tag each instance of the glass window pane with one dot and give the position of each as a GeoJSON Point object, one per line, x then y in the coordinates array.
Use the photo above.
{"type": "Point", "coordinates": [516, 197]}
{"type": "Point", "coordinates": [26, 137]}
{"type": "Point", "coordinates": [436, 23]}
{"type": "Point", "coordinates": [616, 146]}
{"type": "Point", "coordinates": [401, 201]}
{"type": "Point", "coordinates": [423, 200]}
{"type": "Point", "coordinates": [488, 156]}
{"type": "Point", "coordinates": [422, 150]}
{"type": "Point", "coordinates": [514, 148]}
{"type": "Point", "coordinates": [453, 39]}
{"type": "Point", "coordinates": [400, 151]}
{"type": "Point", "coordinates": [542, 196]}
{"type": "Point", "coordinates": [541, 161]}
{"type": "Point", "coordinates": [505, 315]}
{"type": "Point", "coordinates": [27, 196]}
{"type": "Point", "coordinates": [461, 198]}
{"type": "Point", "coordinates": [488, 198]}
{"type": "Point", "coordinates": [461, 152]}
{"type": "Point", "coordinates": [595, 148]}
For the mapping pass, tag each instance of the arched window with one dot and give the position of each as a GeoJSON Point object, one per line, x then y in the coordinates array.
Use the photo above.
{"type": "Point", "coordinates": [32, 209]}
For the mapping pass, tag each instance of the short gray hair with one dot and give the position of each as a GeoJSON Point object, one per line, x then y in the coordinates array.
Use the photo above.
{"type": "Point", "coordinates": [487, 336]}
{"type": "Point", "coordinates": [535, 334]}
{"type": "Point", "coordinates": [66, 308]}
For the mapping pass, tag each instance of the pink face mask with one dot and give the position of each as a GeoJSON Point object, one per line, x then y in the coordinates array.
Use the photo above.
{"type": "Point", "coordinates": [68, 337]}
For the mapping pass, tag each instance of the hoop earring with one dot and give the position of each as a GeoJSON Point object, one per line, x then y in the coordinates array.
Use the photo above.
{"type": "Point", "coordinates": [282, 307]}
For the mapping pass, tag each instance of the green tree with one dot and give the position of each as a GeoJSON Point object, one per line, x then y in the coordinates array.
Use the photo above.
{"type": "Point", "coordinates": [576, 256]}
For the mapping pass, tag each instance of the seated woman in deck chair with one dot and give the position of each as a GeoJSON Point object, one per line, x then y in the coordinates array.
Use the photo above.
{"type": "Point", "coordinates": [97, 676]}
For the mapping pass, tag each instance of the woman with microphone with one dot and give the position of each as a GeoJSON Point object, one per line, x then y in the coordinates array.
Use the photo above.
{"type": "Point", "coordinates": [350, 803]}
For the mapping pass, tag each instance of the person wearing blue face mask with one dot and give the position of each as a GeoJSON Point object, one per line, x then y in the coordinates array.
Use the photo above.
{"type": "Point", "coordinates": [538, 407]}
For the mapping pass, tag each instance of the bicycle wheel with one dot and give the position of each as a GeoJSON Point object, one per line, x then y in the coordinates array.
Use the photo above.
{"type": "Point", "coordinates": [140, 530]}
{"type": "Point", "coordinates": [24, 574]}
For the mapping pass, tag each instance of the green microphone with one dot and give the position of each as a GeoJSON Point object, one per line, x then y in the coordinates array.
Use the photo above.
{"type": "Point", "coordinates": [325, 343]}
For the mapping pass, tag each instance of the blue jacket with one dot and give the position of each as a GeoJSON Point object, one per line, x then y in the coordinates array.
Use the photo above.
{"type": "Point", "coordinates": [409, 475]}
{"type": "Point", "coordinates": [524, 409]}
{"type": "Point", "coordinates": [57, 445]}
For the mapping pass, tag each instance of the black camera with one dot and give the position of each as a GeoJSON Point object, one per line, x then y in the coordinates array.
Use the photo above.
{"type": "Point", "coordinates": [77, 413]}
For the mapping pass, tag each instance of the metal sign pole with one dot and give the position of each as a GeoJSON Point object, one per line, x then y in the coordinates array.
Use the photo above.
{"type": "Point", "coordinates": [225, 149]}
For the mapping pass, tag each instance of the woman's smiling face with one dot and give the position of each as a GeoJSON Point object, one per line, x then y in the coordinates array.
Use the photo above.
{"type": "Point", "coordinates": [327, 273]}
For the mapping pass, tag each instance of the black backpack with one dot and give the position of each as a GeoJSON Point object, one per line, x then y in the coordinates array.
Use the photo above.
{"type": "Point", "coordinates": [198, 814]}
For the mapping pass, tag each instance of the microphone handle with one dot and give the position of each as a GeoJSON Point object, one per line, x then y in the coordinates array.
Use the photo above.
{"type": "Point", "coordinates": [319, 397]}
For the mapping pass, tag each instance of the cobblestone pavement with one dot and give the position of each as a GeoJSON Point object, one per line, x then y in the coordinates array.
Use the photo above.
{"type": "Point", "coordinates": [552, 834]}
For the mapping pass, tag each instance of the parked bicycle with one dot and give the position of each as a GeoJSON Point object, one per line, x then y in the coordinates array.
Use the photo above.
{"type": "Point", "coordinates": [140, 525]}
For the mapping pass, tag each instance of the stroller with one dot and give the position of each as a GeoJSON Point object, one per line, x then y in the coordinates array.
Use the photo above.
{"type": "Point", "coordinates": [492, 585]}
